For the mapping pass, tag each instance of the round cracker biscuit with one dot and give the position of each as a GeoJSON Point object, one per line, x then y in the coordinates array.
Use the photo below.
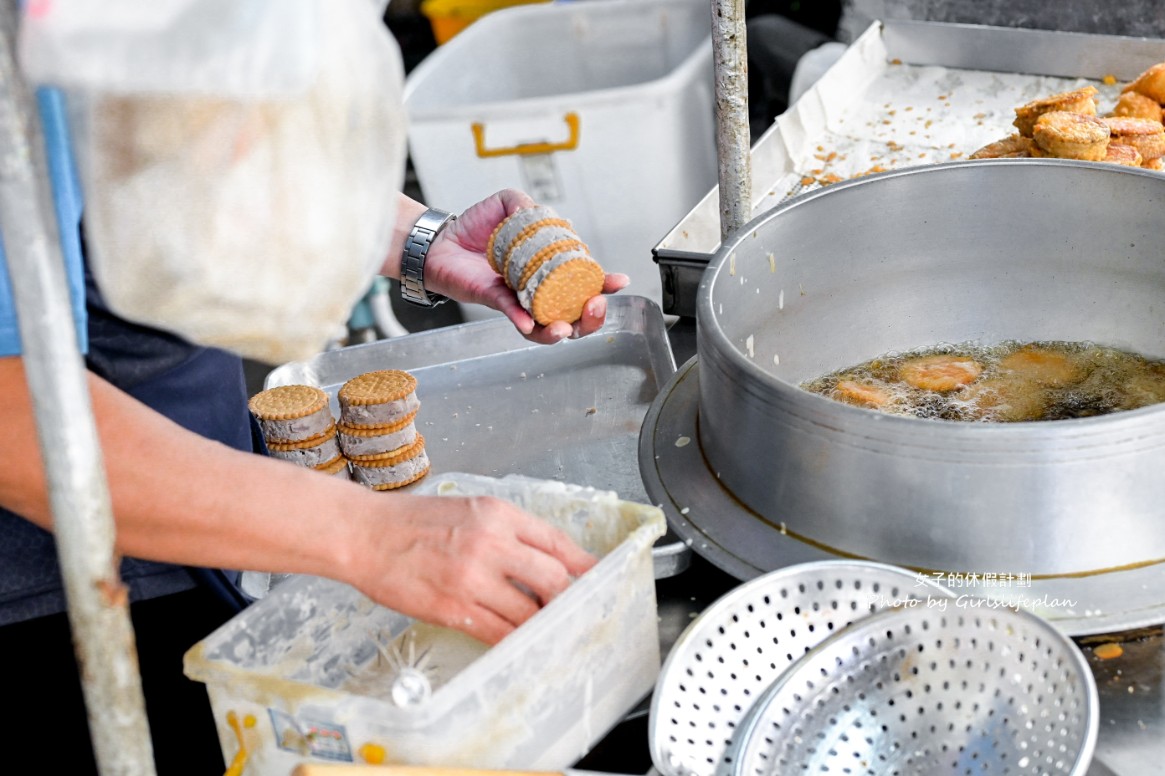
{"type": "Point", "coordinates": [378, 399]}
{"type": "Point", "coordinates": [370, 444]}
{"type": "Point", "coordinates": [394, 471]}
{"type": "Point", "coordinates": [287, 402]}
{"type": "Point", "coordinates": [291, 413]}
{"type": "Point", "coordinates": [547, 252]}
{"type": "Point", "coordinates": [524, 250]}
{"type": "Point", "coordinates": [490, 244]}
{"type": "Point", "coordinates": [528, 240]}
{"type": "Point", "coordinates": [504, 232]}
{"type": "Point", "coordinates": [560, 296]}
{"type": "Point", "coordinates": [402, 483]}
{"type": "Point", "coordinates": [312, 453]}
{"type": "Point", "coordinates": [337, 467]}
{"type": "Point", "coordinates": [378, 387]}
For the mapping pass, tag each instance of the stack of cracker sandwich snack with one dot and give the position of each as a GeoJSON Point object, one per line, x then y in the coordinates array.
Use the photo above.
{"type": "Point", "coordinates": [377, 433]}
{"type": "Point", "coordinates": [545, 263]}
{"type": "Point", "coordinates": [298, 426]}
{"type": "Point", "coordinates": [1067, 126]}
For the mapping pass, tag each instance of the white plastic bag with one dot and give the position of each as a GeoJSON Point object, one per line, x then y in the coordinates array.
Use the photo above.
{"type": "Point", "coordinates": [249, 224]}
{"type": "Point", "coordinates": [240, 48]}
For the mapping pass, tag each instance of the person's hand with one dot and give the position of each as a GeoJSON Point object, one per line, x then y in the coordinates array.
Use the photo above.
{"type": "Point", "coordinates": [458, 562]}
{"type": "Point", "coordinates": [457, 267]}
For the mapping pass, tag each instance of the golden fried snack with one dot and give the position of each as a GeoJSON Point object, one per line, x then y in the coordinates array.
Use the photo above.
{"type": "Point", "coordinates": [1153, 164]}
{"type": "Point", "coordinates": [1138, 106]}
{"type": "Point", "coordinates": [1077, 101]}
{"type": "Point", "coordinates": [1145, 135]}
{"type": "Point", "coordinates": [1011, 147]}
{"type": "Point", "coordinates": [1142, 389]}
{"type": "Point", "coordinates": [863, 394]}
{"type": "Point", "coordinates": [1123, 154]}
{"type": "Point", "coordinates": [939, 373]}
{"type": "Point", "coordinates": [1072, 136]}
{"type": "Point", "coordinates": [1006, 399]}
{"type": "Point", "coordinates": [1150, 83]}
{"type": "Point", "coordinates": [1045, 367]}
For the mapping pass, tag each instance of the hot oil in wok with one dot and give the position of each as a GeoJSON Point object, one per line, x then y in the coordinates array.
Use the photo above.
{"type": "Point", "coordinates": [1008, 382]}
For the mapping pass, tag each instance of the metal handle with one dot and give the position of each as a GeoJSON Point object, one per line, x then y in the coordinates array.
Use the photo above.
{"type": "Point", "coordinates": [527, 149]}
{"type": "Point", "coordinates": [239, 762]}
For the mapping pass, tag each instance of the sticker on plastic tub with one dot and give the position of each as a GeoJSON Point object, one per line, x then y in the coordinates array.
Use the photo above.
{"type": "Point", "coordinates": [325, 740]}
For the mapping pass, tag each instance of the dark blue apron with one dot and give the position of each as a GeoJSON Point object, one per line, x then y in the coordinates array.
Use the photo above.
{"type": "Point", "coordinates": [200, 388]}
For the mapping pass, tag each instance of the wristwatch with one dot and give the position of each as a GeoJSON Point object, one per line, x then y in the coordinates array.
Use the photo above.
{"type": "Point", "coordinates": [412, 263]}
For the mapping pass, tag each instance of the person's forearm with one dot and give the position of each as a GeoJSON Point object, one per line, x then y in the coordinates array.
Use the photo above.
{"type": "Point", "coordinates": [408, 210]}
{"type": "Point", "coordinates": [181, 498]}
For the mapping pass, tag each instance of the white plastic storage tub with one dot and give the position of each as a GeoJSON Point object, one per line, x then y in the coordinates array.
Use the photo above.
{"type": "Point", "coordinates": [313, 671]}
{"type": "Point", "coordinates": [601, 109]}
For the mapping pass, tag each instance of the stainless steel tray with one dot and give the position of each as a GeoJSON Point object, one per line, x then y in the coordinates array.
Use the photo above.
{"type": "Point", "coordinates": [494, 403]}
{"type": "Point", "coordinates": [870, 109]}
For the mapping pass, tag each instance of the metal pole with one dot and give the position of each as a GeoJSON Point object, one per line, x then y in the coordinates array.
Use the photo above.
{"type": "Point", "coordinates": [78, 492]}
{"type": "Point", "coordinates": [733, 145]}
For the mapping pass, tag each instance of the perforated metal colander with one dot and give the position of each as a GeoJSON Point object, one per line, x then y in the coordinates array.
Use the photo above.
{"type": "Point", "coordinates": [921, 692]}
{"type": "Point", "coordinates": [729, 655]}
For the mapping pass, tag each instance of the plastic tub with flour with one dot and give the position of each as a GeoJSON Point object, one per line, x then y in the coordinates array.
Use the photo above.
{"type": "Point", "coordinates": [318, 672]}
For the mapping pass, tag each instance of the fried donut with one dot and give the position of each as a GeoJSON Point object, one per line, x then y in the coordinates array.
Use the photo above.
{"type": "Point", "coordinates": [1076, 101]}
{"type": "Point", "coordinates": [1072, 136]}
{"type": "Point", "coordinates": [863, 394]}
{"type": "Point", "coordinates": [1014, 146]}
{"type": "Point", "coordinates": [1145, 135]}
{"type": "Point", "coordinates": [1153, 164]}
{"type": "Point", "coordinates": [1006, 400]}
{"type": "Point", "coordinates": [1043, 367]}
{"type": "Point", "coordinates": [1123, 154]}
{"type": "Point", "coordinates": [1138, 106]}
{"type": "Point", "coordinates": [1150, 83]}
{"type": "Point", "coordinates": [940, 373]}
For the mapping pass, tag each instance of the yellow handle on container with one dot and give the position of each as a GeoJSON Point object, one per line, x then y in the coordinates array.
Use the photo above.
{"type": "Point", "coordinates": [329, 769]}
{"type": "Point", "coordinates": [526, 149]}
{"type": "Point", "coordinates": [240, 759]}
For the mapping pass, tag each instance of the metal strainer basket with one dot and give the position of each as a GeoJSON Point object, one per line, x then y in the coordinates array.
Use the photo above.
{"type": "Point", "coordinates": [922, 692]}
{"type": "Point", "coordinates": [729, 655]}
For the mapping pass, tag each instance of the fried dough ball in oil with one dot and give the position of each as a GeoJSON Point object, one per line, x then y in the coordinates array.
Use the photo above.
{"type": "Point", "coordinates": [1077, 101]}
{"type": "Point", "coordinates": [1045, 367]}
{"type": "Point", "coordinates": [1145, 135]}
{"type": "Point", "coordinates": [1137, 106]}
{"type": "Point", "coordinates": [1144, 388]}
{"type": "Point", "coordinates": [941, 373]}
{"type": "Point", "coordinates": [1012, 147]}
{"type": "Point", "coordinates": [1150, 83]}
{"type": "Point", "coordinates": [1072, 136]}
{"type": "Point", "coordinates": [862, 394]}
{"type": "Point", "coordinates": [1006, 399]}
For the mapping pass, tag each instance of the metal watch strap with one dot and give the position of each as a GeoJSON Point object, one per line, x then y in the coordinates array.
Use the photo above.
{"type": "Point", "coordinates": [416, 250]}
